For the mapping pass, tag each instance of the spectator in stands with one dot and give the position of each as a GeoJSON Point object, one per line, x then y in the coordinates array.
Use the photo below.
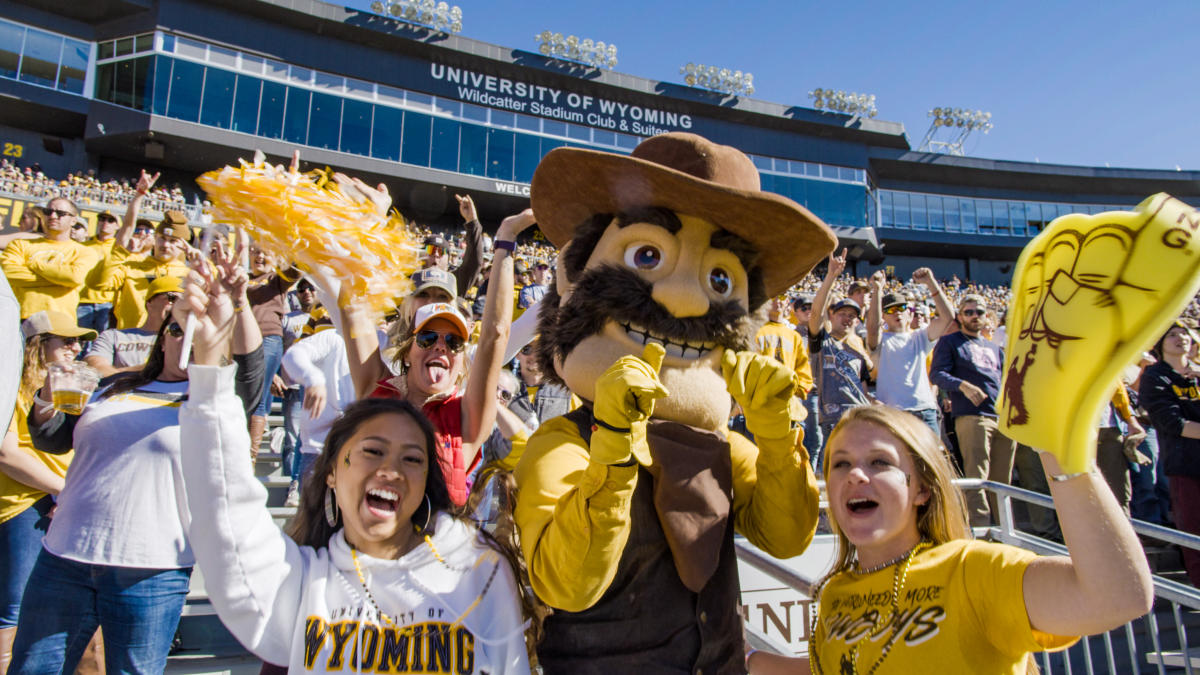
{"type": "Point", "coordinates": [842, 371]}
{"type": "Point", "coordinates": [79, 232]}
{"type": "Point", "coordinates": [29, 479]}
{"type": "Point", "coordinates": [119, 539]}
{"type": "Point", "coordinates": [95, 306]}
{"type": "Point", "coordinates": [1170, 393]}
{"type": "Point", "coordinates": [267, 291]}
{"type": "Point", "coordinates": [901, 352]}
{"type": "Point", "coordinates": [780, 341]}
{"type": "Point", "coordinates": [539, 283]}
{"type": "Point", "coordinates": [47, 273]}
{"type": "Point", "coordinates": [967, 367]}
{"type": "Point", "coordinates": [547, 399]}
{"type": "Point", "coordinates": [126, 350]}
{"type": "Point", "coordinates": [33, 219]}
{"type": "Point", "coordinates": [129, 276]}
{"type": "Point", "coordinates": [303, 299]}
{"type": "Point", "coordinates": [801, 311]}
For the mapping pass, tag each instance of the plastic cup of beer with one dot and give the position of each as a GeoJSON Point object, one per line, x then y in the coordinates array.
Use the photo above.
{"type": "Point", "coordinates": [71, 385]}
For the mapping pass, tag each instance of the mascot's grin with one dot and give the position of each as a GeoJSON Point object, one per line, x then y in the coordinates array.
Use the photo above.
{"type": "Point", "coordinates": [677, 350]}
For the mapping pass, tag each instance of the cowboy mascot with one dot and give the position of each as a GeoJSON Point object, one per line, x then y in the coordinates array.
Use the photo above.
{"type": "Point", "coordinates": [627, 506]}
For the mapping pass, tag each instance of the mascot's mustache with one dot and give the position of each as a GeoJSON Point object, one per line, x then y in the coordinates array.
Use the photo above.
{"type": "Point", "coordinates": [614, 293]}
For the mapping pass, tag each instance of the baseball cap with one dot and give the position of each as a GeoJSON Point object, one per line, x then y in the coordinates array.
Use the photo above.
{"type": "Point", "coordinates": [174, 224]}
{"type": "Point", "coordinates": [436, 240]}
{"type": "Point", "coordinates": [521, 267]}
{"type": "Point", "coordinates": [54, 323]}
{"type": "Point", "coordinates": [893, 299]}
{"type": "Point", "coordinates": [844, 303]}
{"type": "Point", "coordinates": [803, 300]}
{"type": "Point", "coordinates": [106, 214]}
{"type": "Point", "coordinates": [440, 310]}
{"type": "Point", "coordinates": [435, 277]}
{"type": "Point", "coordinates": [164, 285]}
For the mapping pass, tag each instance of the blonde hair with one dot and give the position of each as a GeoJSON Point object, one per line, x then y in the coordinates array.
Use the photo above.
{"type": "Point", "coordinates": [943, 517]}
{"type": "Point", "coordinates": [33, 367]}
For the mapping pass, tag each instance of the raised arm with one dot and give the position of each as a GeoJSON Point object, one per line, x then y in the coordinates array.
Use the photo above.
{"type": "Point", "coordinates": [816, 319]}
{"type": "Point", "coordinates": [875, 313]}
{"type": "Point", "coordinates": [479, 400]}
{"type": "Point", "coordinates": [472, 261]}
{"type": "Point", "coordinates": [124, 234]}
{"type": "Point", "coordinates": [945, 313]}
{"type": "Point", "coordinates": [1106, 581]}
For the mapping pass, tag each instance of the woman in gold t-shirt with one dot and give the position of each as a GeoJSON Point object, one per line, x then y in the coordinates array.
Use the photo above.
{"type": "Point", "coordinates": [911, 591]}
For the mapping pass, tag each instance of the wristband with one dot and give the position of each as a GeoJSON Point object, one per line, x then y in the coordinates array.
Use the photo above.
{"type": "Point", "coordinates": [749, 652]}
{"type": "Point", "coordinates": [1063, 477]}
{"type": "Point", "coordinates": [502, 245]}
{"type": "Point", "coordinates": [605, 425]}
{"type": "Point", "coordinates": [40, 404]}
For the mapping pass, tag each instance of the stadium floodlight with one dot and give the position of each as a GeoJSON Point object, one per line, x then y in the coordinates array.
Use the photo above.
{"type": "Point", "coordinates": [858, 105]}
{"type": "Point", "coordinates": [439, 16]}
{"type": "Point", "coordinates": [594, 53]}
{"type": "Point", "coordinates": [962, 121]}
{"type": "Point", "coordinates": [718, 79]}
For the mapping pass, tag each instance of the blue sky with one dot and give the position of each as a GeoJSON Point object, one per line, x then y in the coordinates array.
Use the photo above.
{"type": "Point", "coordinates": [1090, 83]}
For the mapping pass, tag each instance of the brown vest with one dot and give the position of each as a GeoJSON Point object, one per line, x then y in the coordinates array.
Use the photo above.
{"type": "Point", "coordinates": [649, 621]}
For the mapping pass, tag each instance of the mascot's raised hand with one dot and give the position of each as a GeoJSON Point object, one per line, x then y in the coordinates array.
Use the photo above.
{"type": "Point", "coordinates": [625, 396]}
{"type": "Point", "coordinates": [764, 388]}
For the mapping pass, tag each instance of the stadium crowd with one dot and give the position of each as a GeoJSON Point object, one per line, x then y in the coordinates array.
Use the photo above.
{"type": "Point", "coordinates": [112, 555]}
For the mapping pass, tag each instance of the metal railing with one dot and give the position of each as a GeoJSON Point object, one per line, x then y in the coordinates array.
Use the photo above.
{"type": "Point", "coordinates": [1137, 647]}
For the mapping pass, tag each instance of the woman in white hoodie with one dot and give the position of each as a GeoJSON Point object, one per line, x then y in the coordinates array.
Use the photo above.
{"type": "Point", "coordinates": [380, 576]}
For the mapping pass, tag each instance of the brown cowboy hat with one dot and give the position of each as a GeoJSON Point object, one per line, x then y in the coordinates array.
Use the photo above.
{"type": "Point", "coordinates": [688, 174]}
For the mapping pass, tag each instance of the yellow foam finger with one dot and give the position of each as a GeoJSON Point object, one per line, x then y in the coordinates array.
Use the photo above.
{"type": "Point", "coordinates": [1091, 293]}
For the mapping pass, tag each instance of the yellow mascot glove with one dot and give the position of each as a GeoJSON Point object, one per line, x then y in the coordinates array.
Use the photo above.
{"type": "Point", "coordinates": [764, 388]}
{"type": "Point", "coordinates": [1090, 293]}
{"type": "Point", "coordinates": [625, 396]}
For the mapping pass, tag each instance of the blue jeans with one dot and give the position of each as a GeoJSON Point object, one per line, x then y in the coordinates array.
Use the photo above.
{"type": "Point", "coordinates": [273, 357]}
{"type": "Point", "coordinates": [293, 408]}
{"type": "Point", "coordinates": [812, 430]}
{"type": "Point", "coordinates": [65, 601]}
{"type": "Point", "coordinates": [302, 466]}
{"type": "Point", "coordinates": [1151, 500]}
{"type": "Point", "coordinates": [20, 541]}
{"type": "Point", "coordinates": [930, 417]}
{"type": "Point", "coordinates": [97, 316]}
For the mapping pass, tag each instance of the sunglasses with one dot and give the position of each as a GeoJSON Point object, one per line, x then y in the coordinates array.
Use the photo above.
{"type": "Point", "coordinates": [430, 249]}
{"type": "Point", "coordinates": [59, 213]}
{"type": "Point", "coordinates": [107, 220]}
{"type": "Point", "coordinates": [70, 341]}
{"type": "Point", "coordinates": [895, 309]}
{"type": "Point", "coordinates": [974, 312]}
{"type": "Point", "coordinates": [143, 231]}
{"type": "Point", "coordinates": [505, 395]}
{"type": "Point", "coordinates": [426, 339]}
{"type": "Point", "coordinates": [174, 330]}
{"type": "Point", "coordinates": [79, 226]}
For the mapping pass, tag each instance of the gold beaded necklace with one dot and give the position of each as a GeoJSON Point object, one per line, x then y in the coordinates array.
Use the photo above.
{"type": "Point", "coordinates": [899, 578]}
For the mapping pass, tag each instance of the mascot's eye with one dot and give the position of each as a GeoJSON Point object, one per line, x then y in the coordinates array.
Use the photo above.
{"type": "Point", "coordinates": [643, 257]}
{"type": "Point", "coordinates": [719, 281]}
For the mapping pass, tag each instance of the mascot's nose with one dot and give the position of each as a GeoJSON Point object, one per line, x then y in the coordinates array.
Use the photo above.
{"type": "Point", "coordinates": [681, 294]}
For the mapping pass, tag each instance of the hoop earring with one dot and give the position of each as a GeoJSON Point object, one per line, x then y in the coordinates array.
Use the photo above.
{"type": "Point", "coordinates": [331, 509]}
{"type": "Point", "coordinates": [428, 513]}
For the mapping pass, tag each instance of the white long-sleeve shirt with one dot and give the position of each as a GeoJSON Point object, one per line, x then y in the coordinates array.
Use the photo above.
{"type": "Point", "coordinates": [307, 607]}
{"type": "Point", "coordinates": [320, 360]}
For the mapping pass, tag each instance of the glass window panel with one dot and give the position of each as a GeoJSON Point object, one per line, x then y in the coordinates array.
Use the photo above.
{"type": "Point", "coordinates": [277, 69]}
{"type": "Point", "coordinates": [252, 64]}
{"type": "Point", "coordinates": [983, 214]}
{"type": "Point", "coordinates": [360, 88]}
{"type": "Point", "coordinates": [1016, 217]}
{"type": "Point", "coordinates": [903, 215]}
{"type": "Point", "coordinates": [11, 38]}
{"type": "Point", "coordinates": [162, 84]}
{"type": "Point", "coordinates": [183, 47]}
{"type": "Point", "coordinates": [187, 81]}
{"type": "Point", "coordinates": [443, 146]}
{"type": "Point", "coordinates": [168, 44]}
{"type": "Point", "coordinates": [472, 150]}
{"type": "Point", "coordinates": [829, 171]}
{"type": "Point", "coordinates": [104, 50]}
{"type": "Point", "coordinates": [218, 98]}
{"type": "Point", "coordinates": [1033, 217]}
{"type": "Point", "coordinates": [356, 127]}
{"type": "Point", "coordinates": [416, 145]}
{"type": "Point", "coordinates": [762, 163]}
{"type": "Point", "coordinates": [121, 91]}
{"type": "Point", "coordinates": [503, 118]}
{"type": "Point", "coordinates": [39, 62]}
{"type": "Point", "coordinates": [143, 43]}
{"type": "Point", "coordinates": [579, 133]}
{"type": "Point", "coordinates": [74, 66]}
{"type": "Point", "coordinates": [270, 111]}
{"type": "Point", "coordinates": [528, 153]}
{"type": "Point", "coordinates": [245, 104]}
{"type": "Point", "coordinates": [391, 95]}
{"type": "Point", "coordinates": [920, 217]}
{"type": "Point", "coordinates": [937, 219]}
{"type": "Point", "coordinates": [602, 137]}
{"type": "Point", "coordinates": [327, 81]}
{"type": "Point", "coordinates": [811, 169]}
{"type": "Point", "coordinates": [325, 121]}
{"type": "Point", "coordinates": [301, 75]}
{"type": "Point", "coordinates": [295, 115]}
{"type": "Point", "coordinates": [106, 75]}
{"type": "Point", "coordinates": [549, 144]}
{"type": "Point", "coordinates": [447, 106]}
{"type": "Point", "coordinates": [419, 101]}
{"type": "Point", "coordinates": [847, 174]}
{"type": "Point", "coordinates": [953, 220]}
{"type": "Point", "coordinates": [124, 47]}
{"type": "Point", "coordinates": [528, 122]}
{"type": "Point", "coordinates": [628, 142]}
{"type": "Point", "coordinates": [474, 112]}
{"type": "Point", "coordinates": [500, 146]}
{"type": "Point", "coordinates": [222, 56]}
{"type": "Point", "coordinates": [554, 127]}
{"type": "Point", "coordinates": [143, 84]}
{"type": "Point", "coordinates": [968, 214]}
{"type": "Point", "coordinates": [385, 133]}
{"type": "Point", "coordinates": [887, 210]}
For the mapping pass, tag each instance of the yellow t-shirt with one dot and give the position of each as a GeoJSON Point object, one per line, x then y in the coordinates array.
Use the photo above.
{"type": "Point", "coordinates": [131, 278]}
{"type": "Point", "coordinates": [47, 274]}
{"type": "Point", "coordinates": [961, 610]}
{"type": "Point", "coordinates": [15, 497]}
{"type": "Point", "coordinates": [89, 293]}
{"type": "Point", "coordinates": [782, 343]}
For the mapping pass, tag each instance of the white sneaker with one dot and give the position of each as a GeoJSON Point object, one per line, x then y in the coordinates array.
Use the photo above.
{"type": "Point", "coordinates": [293, 495]}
